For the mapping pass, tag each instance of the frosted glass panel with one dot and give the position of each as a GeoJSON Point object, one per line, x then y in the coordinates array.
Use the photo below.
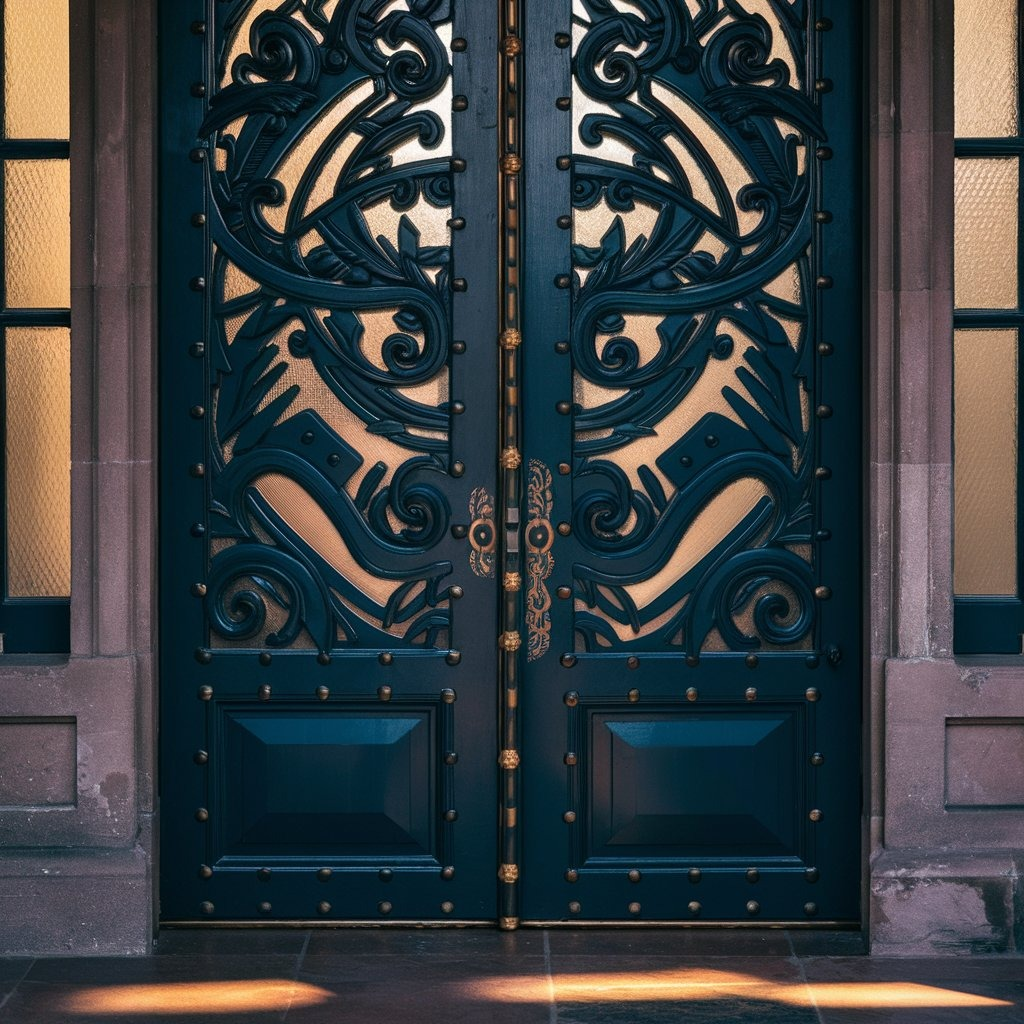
{"type": "Point", "coordinates": [37, 233]}
{"type": "Point", "coordinates": [986, 233]}
{"type": "Point", "coordinates": [36, 51]}
{"type": "Point", "coordinates": [985, 463]}
{"type": "Point", "coordinates": [38, 458]}
{"type": "Point", "coordinates": [985, 68]}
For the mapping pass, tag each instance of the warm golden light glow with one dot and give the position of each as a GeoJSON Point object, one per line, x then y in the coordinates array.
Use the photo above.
{"type": "Point", "coordinates": [266, 996]}
{"type": "Point", "coordinates": [38, 456]}
{"type": "Point", "coordinates": [698, 985]}
{"type": "Point", "coordinates": [895, 995]}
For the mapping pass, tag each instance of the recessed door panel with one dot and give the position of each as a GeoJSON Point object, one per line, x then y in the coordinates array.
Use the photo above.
{"type": "Point", "coordinates": [708, 807]}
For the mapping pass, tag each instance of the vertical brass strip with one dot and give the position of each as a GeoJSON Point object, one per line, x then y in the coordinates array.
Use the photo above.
{"type": "Point", "coordinates": [509, 177]}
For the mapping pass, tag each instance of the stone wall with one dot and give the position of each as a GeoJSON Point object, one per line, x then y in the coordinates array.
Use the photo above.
{"type": "Point", "coordinates": [77, 734]}
{"type": "Point", "coordinates": [945, 735]}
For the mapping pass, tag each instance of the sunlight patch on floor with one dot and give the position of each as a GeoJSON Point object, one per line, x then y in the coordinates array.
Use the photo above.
{"type": "Point", "coordinates": [683, 985]}
{"type": "Point", "coordinates": [271, 995]}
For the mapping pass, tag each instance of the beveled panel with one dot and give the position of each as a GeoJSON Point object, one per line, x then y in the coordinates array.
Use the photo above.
{"type": "Point", "coordinates": [985, 762]}
{"type": "Point", "coordinates": [352, 784]}
{"type": "Point", "coordinates": [684, 785]}
{"type": "Point", "coordinates": [38, 762]}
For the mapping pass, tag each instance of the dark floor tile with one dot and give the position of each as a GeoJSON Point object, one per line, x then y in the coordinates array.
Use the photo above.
{"type": "Point", "coordinates": [431, 972]}
{"type": "Point", "coordinates": [426, 941]}
{"type": "Point", "coordinates": [916, 969]}
{"type": "Point", "coordinates": [671, 942]}
{"type": "Point", "coordinates": [426, 1001]}
{"type": "Point", "coordinates": [11, 972]}
{"type": "Point", "coordinates": [986, 1015]}
{"type": "Point", "coordinates": [684, 971]}
{"type": "Point", "coordinates": [85, 971]}
{"type": "Point", "coordinates": [214, 941]}
{"type": "Point", "coordinates": [725, 1008]}
{"type": "Point", "coordinates": [814, 943]}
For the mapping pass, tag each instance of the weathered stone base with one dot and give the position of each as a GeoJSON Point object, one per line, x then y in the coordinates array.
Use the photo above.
{"type": "Point", "coordinates": [82, 902]}
{"type": "Point", "coordinates": [941, 903]}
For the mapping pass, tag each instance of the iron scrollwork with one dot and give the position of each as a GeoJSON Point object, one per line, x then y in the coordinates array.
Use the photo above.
{"type": "Point", "coordinates": [330, 323]}
{"type": "Point", "coordinates": [701, 127]}
{"type": "Point", "coordinates": [540, 562]}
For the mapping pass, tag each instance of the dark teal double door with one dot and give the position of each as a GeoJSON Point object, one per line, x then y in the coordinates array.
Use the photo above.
{"type": "Point", "coordinates": [510, 474]}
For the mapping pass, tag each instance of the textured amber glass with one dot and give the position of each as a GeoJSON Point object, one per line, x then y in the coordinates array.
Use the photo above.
{"type": "Point", "coordinates": [986, 233]}
{"type": "Point", "coordinates": [985, 461]}
{"type": "Point", "coordinates": [36, 57]}
{"type": "Point", "coordinates": [38, 461]}
{"type": "Point", "coordinates": [986, 70]}
{"type": "Point", "coordinates": [37, 234]}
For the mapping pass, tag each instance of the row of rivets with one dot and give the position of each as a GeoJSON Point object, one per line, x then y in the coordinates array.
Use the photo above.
{"type": "Point", "coordinates": [823, 282]}
{"type": "Point", "coordinates": [197, 284]}
{"type": "Point", "coordinates": [384, 693]}
{"type": "Point", "coordinates": [693, 660]}
{"type": "Point", "coordinates": [458, 166]}
{"type": "Point", "coordinates": [572, 698]}
{"type": "Point", "coordinates": [325, 874]}
{"type": "Point", "coordinates": [695, 875]}
{"type": "Point", "coordinates": [202, 815]}
{"type": "Point", "coordinates": [451, 815]}
{"type": "Point", "coordinates": [753, 908]}
{"type": "Point", "coordinates": [206, 908]}
{"type": "Point", "coordinates": [265, 658]}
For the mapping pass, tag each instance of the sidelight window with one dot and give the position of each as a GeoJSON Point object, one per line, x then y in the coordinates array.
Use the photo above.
{"type": "Point", "coordinates": [35, 326]}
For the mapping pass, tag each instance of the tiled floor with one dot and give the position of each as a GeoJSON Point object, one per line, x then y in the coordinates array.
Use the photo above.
{"type": "Point", "coordinates": [528, 977]}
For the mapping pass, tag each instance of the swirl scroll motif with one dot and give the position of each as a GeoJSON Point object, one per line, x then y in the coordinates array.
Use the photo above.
{"type": "Point", "coordinates": [693, 307]}
{"type": "Point", "coordinates": [540, 562]}
{"type": "Point", "coordinates": [483, 536]}
{"type": "Point", "coordinates": [329, 268]}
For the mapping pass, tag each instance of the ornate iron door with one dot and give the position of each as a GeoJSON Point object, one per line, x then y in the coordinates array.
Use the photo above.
{"type": "Point", "coordinates": [510, 465]}
{"type": "Point", "coordinates": [692, 680]}
{"type": "Point", "coordinates": [328, 655]}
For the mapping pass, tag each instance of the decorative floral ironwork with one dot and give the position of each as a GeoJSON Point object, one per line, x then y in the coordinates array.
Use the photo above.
{"type": "Point", "coordinates": [483, 536]}
{"type": "Point", "coordinates": [719, 127]}
{"type": "Point", "coordinates": [539, 560]}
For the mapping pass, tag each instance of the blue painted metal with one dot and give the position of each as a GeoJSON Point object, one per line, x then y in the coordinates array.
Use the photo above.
{"type": "Point", "coordinates": [681, 706]}
{"type": "Point", "coordinates": [678, 694]}
{"type": "Point", "coordinates": [328, 703]}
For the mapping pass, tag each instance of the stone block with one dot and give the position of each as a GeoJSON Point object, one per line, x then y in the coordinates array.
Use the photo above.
{"type": "Point", "coordinates": [921, 697]}
{"type": "Point", "coordinates": [944, 905]}
{"type": "Point", "coordinates": [95, 902]}
{"type": "Point", "coordinates": [99, 697]}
